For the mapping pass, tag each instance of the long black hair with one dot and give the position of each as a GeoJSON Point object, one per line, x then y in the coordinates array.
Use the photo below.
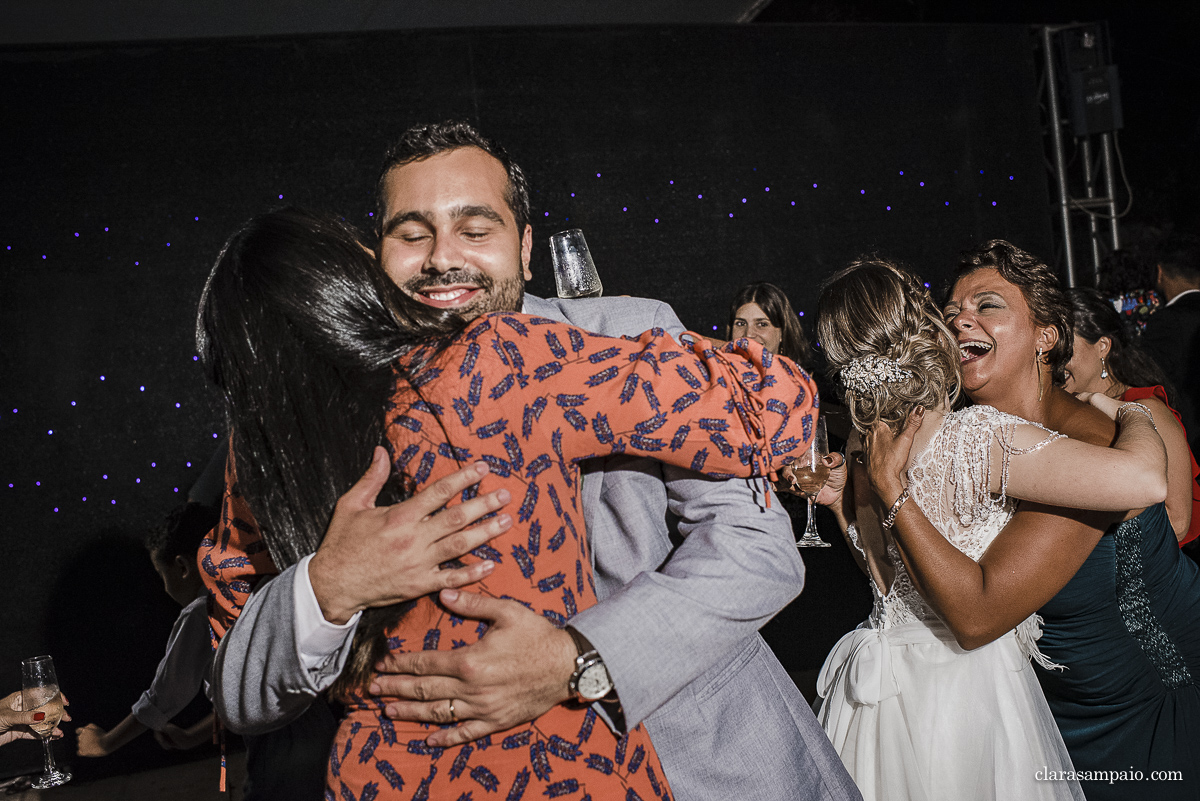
{"type": "Point", "coordinates": [1095, 317]}
{"type": "Point", "coordinates": [775, 304]}
{"type": "Point", "coordinates": [301, 331]}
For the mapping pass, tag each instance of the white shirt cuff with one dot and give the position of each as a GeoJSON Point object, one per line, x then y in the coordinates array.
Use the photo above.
{"type": "Point", "coordinates": [321, 646]}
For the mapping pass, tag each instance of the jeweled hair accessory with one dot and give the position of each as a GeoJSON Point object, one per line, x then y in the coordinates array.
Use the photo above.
{"type": "Point", "coordinates": [868, 372]}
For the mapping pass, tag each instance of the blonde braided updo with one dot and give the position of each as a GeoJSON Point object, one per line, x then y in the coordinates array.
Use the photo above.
{"type": "Point", "coordinates": [886, 343]}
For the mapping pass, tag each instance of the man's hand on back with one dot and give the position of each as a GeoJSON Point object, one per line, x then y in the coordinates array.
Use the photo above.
{"type": "Point", "coordinates": [516, 672]}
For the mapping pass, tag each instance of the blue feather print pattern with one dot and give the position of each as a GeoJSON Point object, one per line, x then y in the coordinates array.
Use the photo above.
{"type": "Point", "coordinates": [516, 325]}
{"type": "Point", "coordinates": [651, 397]}
{"type": "Point", "coordinates": [681, 435]}
{"type": "Point", "coordinates": [460, 761]}
{"type": "Point", "coordinates": [422, 793]}
{"type": "Point", "coordinates": [602, 377]}
{"type": "Point", "coordinates": [485, 778]}
{"type": "Point", "coordinates": [527, 505]}
{"type": "Point", "coordinates": [535, 538]}
{"type": "Point", "coordinates": [585, 730]}
{"type": "Point", "coordinates": [565, 787]}
{"type": "Point", "coordinates": [518, 740]}
{"type": "Point", "coordinates": [604, 355]}
{"type": "Point", "coordinates": [635, 761]}
{"type": "Point", "coordinates": [630, 387]}
{"type": "Point", "coordinates": [500, 467]}
{"type": "Point", "coordinates": [523, 561]}
{"type": "Point", "coordinates": [468, 362]}
{"type": "Point", "coordinates": [600, 762]}
{"type": "Point", "coordinates": [388, 729]}
{"type": "Point", "coordinates": [555, 345]}
{"type": "Point", "coordinates": [502, 388]}
{"type": "Point", "coordinates": [601, 428]}
{"type": "Point", "coordinates": [539, 760]}
{"type": "Point", "coordinates": [547, 370]}
{"type": "Point", "coordinates": [563, 749]}
{"type": "Point", "coordinates": [513, 448]}
{"type": "Point", "coordinates": [551, 583]}
{"type": "Point", "coordinates": [520, 782]}
{"type": "Point", "coordinates": [368, 749]}
{"type": "Point", "coordinates": [463, 409]}
{"type": "Point", "coordinates": [390, 774]}
{"type": "Point", "coordinates": [492, 429]}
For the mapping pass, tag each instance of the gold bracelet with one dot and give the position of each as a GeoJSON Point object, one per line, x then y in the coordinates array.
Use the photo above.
{"type": "Point", "coordinates": [890, 520]}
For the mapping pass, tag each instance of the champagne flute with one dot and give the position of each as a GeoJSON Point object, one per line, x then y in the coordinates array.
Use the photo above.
{"type": "Point", "coordinates": [809, 476]}
{"type": "Point", "coordinates": [575, 274]}
{"type": "Point", "coordinates": [39, 692]}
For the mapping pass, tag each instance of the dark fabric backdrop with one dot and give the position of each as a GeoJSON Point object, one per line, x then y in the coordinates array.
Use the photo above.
{"type": "Point", "coordinates": [694, 158]}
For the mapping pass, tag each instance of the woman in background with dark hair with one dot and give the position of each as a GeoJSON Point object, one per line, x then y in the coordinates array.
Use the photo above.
{"type": "Point", "coordinates": [1106, 361]}
{"type": "Point", "coordinates": [306, 335]}
{"type": "Point", "coordinates": [762, 312]}
{"type": "Point", "coordinates": [834, 600]}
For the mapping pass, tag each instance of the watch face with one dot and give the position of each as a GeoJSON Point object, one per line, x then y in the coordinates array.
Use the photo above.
{"type": "Point", "coordinates": [594, 682]}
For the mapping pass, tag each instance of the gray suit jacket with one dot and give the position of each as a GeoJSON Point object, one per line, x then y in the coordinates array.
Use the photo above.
{"type": "Point", "coordinates": [687, 569]}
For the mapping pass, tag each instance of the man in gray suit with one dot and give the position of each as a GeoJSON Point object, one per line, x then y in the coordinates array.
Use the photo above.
{"type": "Point", "coordinates": [687, 568]}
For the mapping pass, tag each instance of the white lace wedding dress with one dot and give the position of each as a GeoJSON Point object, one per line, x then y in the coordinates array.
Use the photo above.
{"type": "Point", "coordinates": [912, 714]}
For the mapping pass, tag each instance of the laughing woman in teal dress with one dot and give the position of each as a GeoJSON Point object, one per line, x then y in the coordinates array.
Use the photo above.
{"type": "Point", "coordinates": [1121, 605]}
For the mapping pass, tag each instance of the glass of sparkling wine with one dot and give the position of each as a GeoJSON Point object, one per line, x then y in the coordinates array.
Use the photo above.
{"type": "Point", "coordinates": [39, 693]}
{"type": "Point", "coordinates": [574, 272]}
{"type": "Point", "coordinates": [810, 475]}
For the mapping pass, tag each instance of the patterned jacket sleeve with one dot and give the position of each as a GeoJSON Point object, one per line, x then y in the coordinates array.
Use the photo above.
{"type": "Point", "coordinates": [233, 559]}
{"type": "Point", "coordinates": [736, 412]}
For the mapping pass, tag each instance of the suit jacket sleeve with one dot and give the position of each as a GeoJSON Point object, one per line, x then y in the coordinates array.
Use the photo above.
{"type": "Point", "coordinates": [1162, 341]}
{"type": "Point", "coordinates": [735, 569]}
{"type": "Point", "coordinates": [258, 681]}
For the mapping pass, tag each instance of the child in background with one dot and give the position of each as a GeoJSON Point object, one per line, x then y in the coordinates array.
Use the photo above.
{"type": "Point", "coordinates": [185, 666]}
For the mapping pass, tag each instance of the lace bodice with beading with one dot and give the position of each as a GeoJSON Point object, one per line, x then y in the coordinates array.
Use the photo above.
{"type": "Point", "coordinates": [950, 480]}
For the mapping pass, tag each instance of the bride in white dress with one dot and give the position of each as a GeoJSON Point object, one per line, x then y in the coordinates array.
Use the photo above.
{"type": "Point", "coordinates": [913, 714]}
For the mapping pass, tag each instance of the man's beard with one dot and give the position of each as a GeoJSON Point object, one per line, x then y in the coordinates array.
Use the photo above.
{"type": "Point", "coordinates": [503, 295]}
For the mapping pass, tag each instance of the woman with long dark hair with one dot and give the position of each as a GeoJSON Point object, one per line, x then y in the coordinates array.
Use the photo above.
{"type": "Point", "coordinates": [1120, 605]}
{"type": "Point", "coordinates": [305, 335]}
{"type": "Point", "coordinates": [762, 312]}
{"type": "Point", "coordinates": [1106, 360]}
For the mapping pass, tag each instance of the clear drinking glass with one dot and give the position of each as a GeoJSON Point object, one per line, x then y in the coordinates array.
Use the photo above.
{"type": "Point", "coordinates": [574, 273]}
{"type": "Point", "coordinates": [811, 473]}
{"type": "Point", "coordinates": [39, 692]}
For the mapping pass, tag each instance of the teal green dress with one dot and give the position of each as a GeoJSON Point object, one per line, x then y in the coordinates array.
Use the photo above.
{"type": "Point", "coordinates": [1127, 628]}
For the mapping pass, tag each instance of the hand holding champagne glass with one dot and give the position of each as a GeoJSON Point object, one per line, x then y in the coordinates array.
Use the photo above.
{"type": "Point", "coordinates": [41, 697]}
{"type": "Point", "coordinates": [808, 476]}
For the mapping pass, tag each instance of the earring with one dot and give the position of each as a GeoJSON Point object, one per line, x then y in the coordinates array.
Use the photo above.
{"type": "Point", "coordinates": [1103, 368]}
{"type": "Point", "coordinates": [1038, 362]}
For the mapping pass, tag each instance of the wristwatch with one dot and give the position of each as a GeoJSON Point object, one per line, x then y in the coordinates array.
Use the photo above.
{"type": "Point", "coordinates": [590, 681]}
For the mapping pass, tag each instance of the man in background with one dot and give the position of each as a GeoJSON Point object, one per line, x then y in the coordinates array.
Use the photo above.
{"type": "Point", "coordinates": [1172, 334]}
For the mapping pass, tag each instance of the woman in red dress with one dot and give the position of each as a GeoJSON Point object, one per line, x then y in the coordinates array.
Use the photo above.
{"type": "Point", "coordinates": [318, 352]}
{"type": "Point", "coordinates": [1106, 360]}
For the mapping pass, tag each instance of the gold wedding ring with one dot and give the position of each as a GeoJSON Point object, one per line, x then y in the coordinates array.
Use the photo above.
{"type": "Point", "coordinates": [453, 716]}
